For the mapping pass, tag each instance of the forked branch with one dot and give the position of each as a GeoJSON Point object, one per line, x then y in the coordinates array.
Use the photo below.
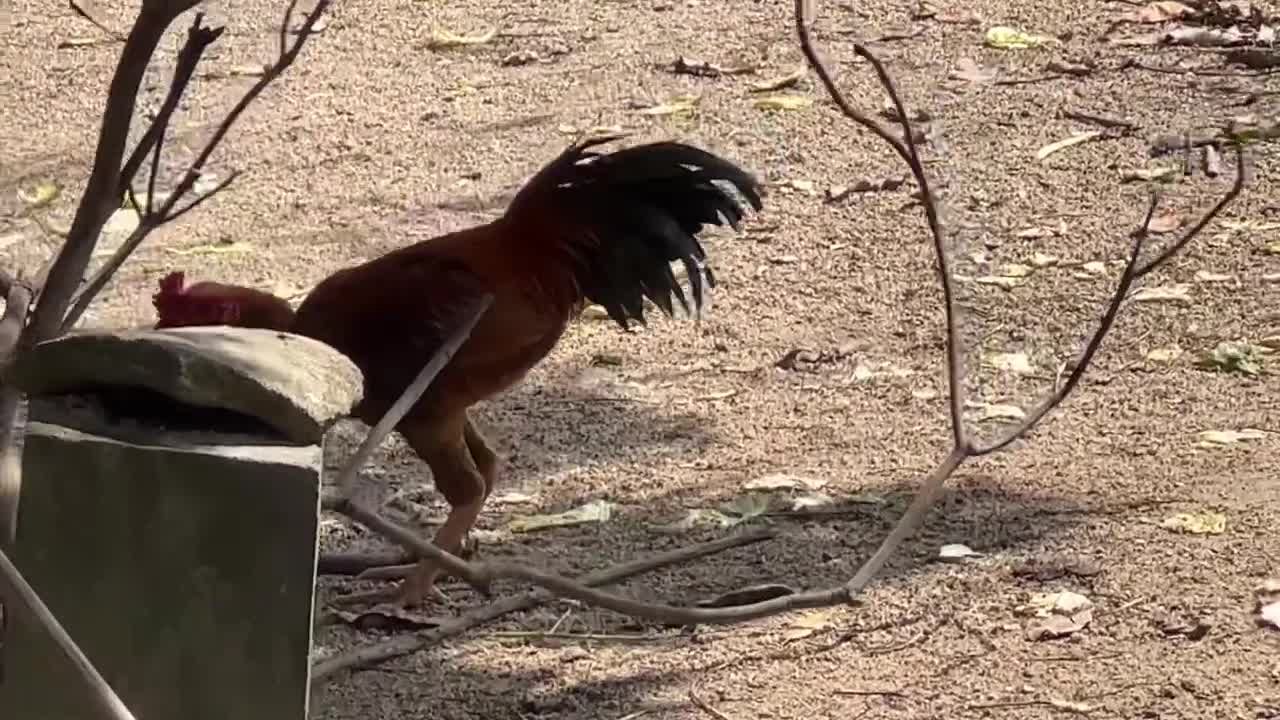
{"type": "Point", "coordinates": [199, 37]}
{"type": "Point", "coordinates": [482, 574]}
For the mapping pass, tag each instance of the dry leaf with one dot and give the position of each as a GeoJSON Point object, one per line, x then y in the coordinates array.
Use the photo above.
{"type": "Point", "coordinates": [678, 105]}
{"type": "Point", "coordinates": [1206, 522]}
{"type": "Point", "coordinates": [1007, 38]}
{"type": "Point", "coordinates": [956, 552]}
{"type": "Point", "coordinates": [1158, 12]}
{"type": "Point", "coordinates": [1015, 270]}
{"type": "Point", "coordinates": [1223, 438]}
{"type": "Point", "coordinates": [593, 512]}
{"type": "Point", "coordinates": [1043, 260]}
{"type": "Point", "coordinates": [1000, 281]}
{"type": "Point", "coordinates": [1177, 294]}
{"type": "Point", "coordinates": [1165, 222]}
{"type": "Point", "coordinates": [780, 83]}
{"type": "Point", "coordinates": [1076, 139]}
{"type": "Point", "coordinates": [1155, 174]}
{"type": "Point", "coordinates": [1204, 276]}
{"type": "Point", "coordinates": [441, 39]}
{"type": "Point", "coordinates": [1164, 355]}
{"type": "Point", "coordinates": [1001, 412]}
{"type": "Point", "coordinates": [808, 624]}
{"type": "Point", "coordinates": [1228, 356]}
{"type": "Point", "coordinates": [783, 102]}
{"type": "Point", "coordinates": [43, 194]}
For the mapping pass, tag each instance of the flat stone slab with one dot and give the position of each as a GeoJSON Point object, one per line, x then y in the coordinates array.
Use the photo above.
{"type": "Point", "coordinates": [295, 385]}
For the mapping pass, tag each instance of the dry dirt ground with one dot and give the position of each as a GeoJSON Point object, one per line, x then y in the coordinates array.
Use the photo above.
{"type": "Point", "coordinates": [375, 140]}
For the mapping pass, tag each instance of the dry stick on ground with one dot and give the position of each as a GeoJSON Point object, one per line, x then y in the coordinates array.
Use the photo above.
{"type": "Point", "coordinates": [481, 574]}
{"type": "Point", "coordinates": [370, 655]}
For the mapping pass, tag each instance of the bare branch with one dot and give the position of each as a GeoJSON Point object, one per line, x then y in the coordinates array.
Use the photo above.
{"type": "Point", "coordinates": [199, 38]}
{"type": "Point", "coordinates": [153, 218]}
{"type": "Point", "coordinates": [174, 215]}
{"type": "Point", "coordinates": [79, 10]}
{"type": "Point", "coordinates": [1242, 173]}
{"type": "Point", "coordinates": [910, 154]}
{"type": "Point", "coordinates": [18, 595]}
{"type": "Point", "coordinates": [378, 653]}
{"type": "Point", "coordinates": [102, 193]}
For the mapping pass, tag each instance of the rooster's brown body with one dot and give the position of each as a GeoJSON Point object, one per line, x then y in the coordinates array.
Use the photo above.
{"type": "Point", "coordinates": [589, 227]}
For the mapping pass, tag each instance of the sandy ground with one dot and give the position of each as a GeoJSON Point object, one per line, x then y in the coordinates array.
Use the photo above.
{"type": "Point", "coordinates": [375, 140]}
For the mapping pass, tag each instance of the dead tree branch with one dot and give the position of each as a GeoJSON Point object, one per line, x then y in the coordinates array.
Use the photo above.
{"type": "Point", "coordinates": [19, 596]}
{"type": "Point", "coordinates": [482, 574]}
{"type": "Point", "coordinates": [151, 218]}
{"type": "Point", "coordinates": [377, 653]}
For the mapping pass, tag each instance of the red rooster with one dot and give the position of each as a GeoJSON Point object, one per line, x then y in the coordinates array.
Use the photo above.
{"type": "Point", "coordinates": [590, 226]}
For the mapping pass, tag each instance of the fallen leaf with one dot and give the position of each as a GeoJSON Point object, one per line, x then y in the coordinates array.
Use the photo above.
{"type": "Point", "coordinates": [441, 39]}
{"type": "Point", "coordinates": [595, 312]}
{"type": "Point", "coordinates": [1015, 270]}
{"type": "Point", "coordinates": [1158, 12]}
{"type": "Point", "coordinates": [1165, 223]}
{"type": "Point", "coordinates": [1269, 615]}
{"type": "Point", "coordinates": [1223, 438]}
{"type": "Point", "coordinates": [678, 105]}
{"type": "Point", "coordinates": [1002, 282]}
{"type": "Point", "coordinates": [781, 82]}
{"type": "Point", "coordinates": [1009, 362]}
{"type": "Point", "coordinates": [42, 195]}
{"type": "Point", "coordinates": [592, 512]}
{"type": "Point", "coordinates": [783, 102]}
{"type": "Point", "coordinates": [1007, 38]}
{"type": "Point", "coordinates": [1036, 233]}
{"type": "Point", "coordinates": [1204, 276]}
{"type": "Point", "coordinates": [1177, 294]}
{"type": "Point", "coordinates": [1043, 260]}
{"type": "Point", "coordinates": [1065, 143]}
{"type": "Point", "coordinates": [807, 624]}
{"type": "Point", "coordinates": [1228, 356]}
{"type": "Point", "coordinates": [956, 552]}
{"type": "Point", "coordinates": [1153, 174]}
{"type": "Point", "coordinates": [1206, 522]}
{"type": "Point", "coordinates": [1001, 412]}
{"type": "Point", "coordinates": [1164, 355]}
{"type": "Point", "coordinates": [811, 501]}
{"type": "Point", "coordinates": [783, 481]}
{"type": "Point", "coordinates": [1059, 614]}
{"type": "Point", "coordinates": [1203, 37]}
{"type": "Point", "coordinates": [1094, 267]}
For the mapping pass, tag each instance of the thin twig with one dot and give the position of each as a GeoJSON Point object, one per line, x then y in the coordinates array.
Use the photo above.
{"type": "Point", "coordinates": [371, 655]}
{"type": "Point", "coordinates": [167, 212]}
{"type": "Point", "coordinates": [18, 595]}
{"type": "Point", "coordinates": [82, 12]}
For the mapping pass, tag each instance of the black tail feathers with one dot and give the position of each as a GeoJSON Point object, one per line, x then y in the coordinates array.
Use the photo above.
{"type": "Point", "coordinates": [636, 211]}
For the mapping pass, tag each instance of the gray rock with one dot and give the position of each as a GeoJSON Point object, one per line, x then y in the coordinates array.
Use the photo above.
{"type": "Point", "coordinates": [294, 384]}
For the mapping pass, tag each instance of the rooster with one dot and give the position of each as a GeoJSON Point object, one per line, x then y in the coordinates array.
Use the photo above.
{"type": "Point", "coordinates": [589, 226]}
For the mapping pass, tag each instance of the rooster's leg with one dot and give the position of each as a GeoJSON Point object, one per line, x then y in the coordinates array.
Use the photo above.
{"type": "Point", "coordinates": [464, 472]}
